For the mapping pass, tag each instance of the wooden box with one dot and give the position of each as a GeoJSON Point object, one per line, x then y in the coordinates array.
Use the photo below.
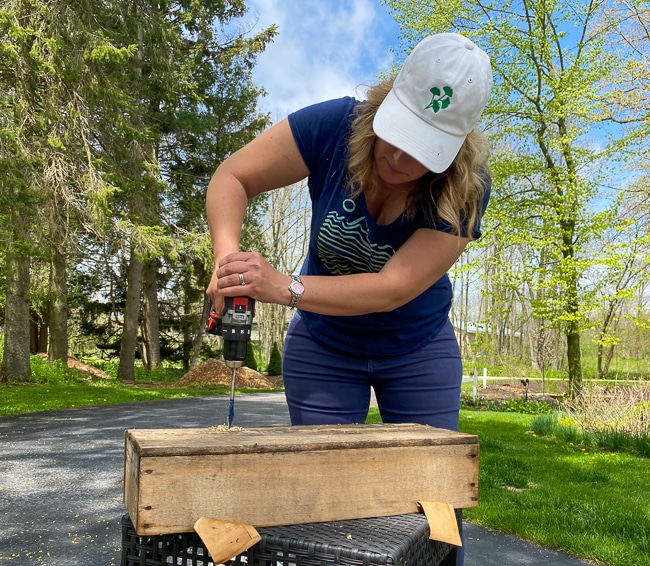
{"type": "Point", "coordinates": [271, 476]}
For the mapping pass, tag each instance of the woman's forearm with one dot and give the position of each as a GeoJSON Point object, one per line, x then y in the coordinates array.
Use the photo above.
{"type": "Point", "coordinates": [412, 270]}
{"type": "Point", "coordinates": [225, 204]}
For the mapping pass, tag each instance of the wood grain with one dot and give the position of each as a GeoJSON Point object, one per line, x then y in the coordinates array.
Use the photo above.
{"type": "Point", "coordinates": [273, 476]}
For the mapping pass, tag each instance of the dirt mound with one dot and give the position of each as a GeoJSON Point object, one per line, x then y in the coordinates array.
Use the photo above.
{"type": "Point", "coordinates": [516, 389]}
{"type": "Point", "coordinates": [216, 371]}
{"type": "Point", "coordinates": [82, 368]}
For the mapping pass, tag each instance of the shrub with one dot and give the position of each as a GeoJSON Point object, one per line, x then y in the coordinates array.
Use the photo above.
{"type": "Point", "coordinates": [622, 409]}
{"type": "Point", "coordinates": [275, 361]}
{"type": "Point", "coordinates": [57, 373]}
{"type": "Point", "coordinates": [251, 360]}
{"type": "Point", "coordinates": [505, 406]}
{"type": "Point", "coordinates": [610, 420]}
{"type": "Point", "coordinates": [613, 440]}
{"type": "Point", "coordinates": [544, 425]}
{"type": "Point", "coordinates": [553, 426]}
{"type": "Point", "coordinates": [642, 445]}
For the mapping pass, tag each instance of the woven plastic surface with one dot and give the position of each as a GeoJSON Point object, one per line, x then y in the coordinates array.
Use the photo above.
{"type": "Point", "coordinates": [402, 540]}
{"type": "Point", "coordinates": [185, 549]}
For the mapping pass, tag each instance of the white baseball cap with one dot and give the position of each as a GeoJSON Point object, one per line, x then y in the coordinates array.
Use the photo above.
{"type": "Point", "coordinates": [436, 100]}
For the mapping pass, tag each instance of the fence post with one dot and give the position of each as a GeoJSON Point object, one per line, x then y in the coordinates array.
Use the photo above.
{"type": "Point", "coordinates": [474, 384]}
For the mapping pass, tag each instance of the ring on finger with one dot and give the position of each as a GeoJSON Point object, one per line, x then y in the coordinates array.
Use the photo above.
{"type": "Point", "coordinates": [241, 279]}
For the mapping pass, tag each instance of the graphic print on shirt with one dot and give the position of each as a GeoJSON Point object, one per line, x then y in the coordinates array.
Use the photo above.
{"type": "Point", "coordinates": [344, 244]}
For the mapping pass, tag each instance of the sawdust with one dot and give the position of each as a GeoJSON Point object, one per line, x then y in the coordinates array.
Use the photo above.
{"type": "Point", "coordinates": [224, 428]}
{"type": "Point", "coordinates": [216, 371]}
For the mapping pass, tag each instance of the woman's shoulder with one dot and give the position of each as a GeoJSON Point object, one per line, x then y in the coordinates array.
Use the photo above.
{"type": "Point", "coordinates": [344, 103]}
{"type": "Point", "coordinates": [321, 130]}
{"type": "Point", "coordinates": [329, 112]}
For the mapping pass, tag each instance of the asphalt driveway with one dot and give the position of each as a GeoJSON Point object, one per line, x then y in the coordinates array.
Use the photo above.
{"type": "Point", "coordinates": [61, 481]}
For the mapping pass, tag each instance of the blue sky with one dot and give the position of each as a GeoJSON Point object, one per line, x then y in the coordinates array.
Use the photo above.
{"type": "Point", "coordinates": [324, 49]}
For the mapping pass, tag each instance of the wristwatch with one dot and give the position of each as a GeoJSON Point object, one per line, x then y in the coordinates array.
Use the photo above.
{"type": "Point", "coordinates": [297, 289]}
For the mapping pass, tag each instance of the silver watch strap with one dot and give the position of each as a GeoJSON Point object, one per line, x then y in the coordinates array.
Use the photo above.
{"type": "Point", "coordinates": [295, 297]}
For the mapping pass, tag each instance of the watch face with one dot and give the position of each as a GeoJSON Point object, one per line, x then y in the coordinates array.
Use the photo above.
{"type": "Point", "coordinates": [297, 287]}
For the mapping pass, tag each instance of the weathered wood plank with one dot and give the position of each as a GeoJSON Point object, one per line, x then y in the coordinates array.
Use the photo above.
{"type": "Point", "coordinates": [198, 441]}
{"type": "Point", "coordinates": [273, 476]}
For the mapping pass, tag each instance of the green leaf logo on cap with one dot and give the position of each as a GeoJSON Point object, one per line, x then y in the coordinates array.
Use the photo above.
{"type": "Point", "coordinates": [440, 100]}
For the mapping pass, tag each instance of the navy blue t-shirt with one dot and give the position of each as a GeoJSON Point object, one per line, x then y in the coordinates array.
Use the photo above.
{"type": "Point", "coordinates": [345, 240]}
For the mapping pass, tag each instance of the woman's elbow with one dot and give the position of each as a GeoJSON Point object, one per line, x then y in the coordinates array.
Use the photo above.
{"type": "Point", "coordinates": [393, 301]}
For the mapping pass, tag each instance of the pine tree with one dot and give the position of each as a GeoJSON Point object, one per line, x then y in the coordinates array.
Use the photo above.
{"type": "Point", "coordinates": [250, 361]}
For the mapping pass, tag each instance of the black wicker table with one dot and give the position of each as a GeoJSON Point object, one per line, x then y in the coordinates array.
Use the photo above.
{"type": "Point", "coordinates": [401, 540]}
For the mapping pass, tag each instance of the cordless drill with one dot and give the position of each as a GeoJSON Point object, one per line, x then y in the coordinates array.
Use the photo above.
{"type": "Point", "coordinates": [234, 323]}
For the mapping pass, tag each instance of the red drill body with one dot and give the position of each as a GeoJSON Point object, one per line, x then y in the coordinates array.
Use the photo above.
{"type": "Point", "coordinates": [234, 324]}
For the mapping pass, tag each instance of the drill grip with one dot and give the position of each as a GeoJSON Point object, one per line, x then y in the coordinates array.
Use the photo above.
{"type": "Point", "coordinates": [215, 322]}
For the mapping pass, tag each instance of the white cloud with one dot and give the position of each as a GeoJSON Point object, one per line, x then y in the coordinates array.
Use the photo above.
{"type": "Point", "coordinates": [324, 49]}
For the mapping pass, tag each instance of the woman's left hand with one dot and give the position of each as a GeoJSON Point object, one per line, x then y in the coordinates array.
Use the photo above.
{"type": "Point", "coordinates": [249, 274]}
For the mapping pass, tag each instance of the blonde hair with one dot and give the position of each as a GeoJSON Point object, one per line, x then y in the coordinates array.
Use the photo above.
{"type": "Point", "coordinates": [455, 196]}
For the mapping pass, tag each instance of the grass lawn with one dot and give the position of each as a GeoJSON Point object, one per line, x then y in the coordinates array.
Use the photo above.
{"type": "Point", "coordinates": [592, 504]}
{"type": "Point", "coordinates": [19, 399]}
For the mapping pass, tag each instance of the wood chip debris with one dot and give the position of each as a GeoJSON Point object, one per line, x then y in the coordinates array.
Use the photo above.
{"type": "Point", "coordinates": [224, 428]}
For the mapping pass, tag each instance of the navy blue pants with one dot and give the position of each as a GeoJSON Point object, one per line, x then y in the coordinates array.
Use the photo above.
{"type": "Point", "coordinates": [326, 386]}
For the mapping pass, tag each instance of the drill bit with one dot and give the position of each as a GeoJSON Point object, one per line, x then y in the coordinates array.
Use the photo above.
{"type": "Point", "coordinates": [231, 408]}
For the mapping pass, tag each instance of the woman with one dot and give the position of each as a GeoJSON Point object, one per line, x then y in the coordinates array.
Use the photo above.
{"type": "Point", "coordinates": [398, 186]}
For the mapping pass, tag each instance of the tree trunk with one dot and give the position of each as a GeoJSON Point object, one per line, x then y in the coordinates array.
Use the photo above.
{"type": "Point", "coordinates": [599, 361]}
{"type": "Point", "coordinates": [193, 325]}
{"type": "Point", "coordinates": [608, 360]}
{"type": "Point", "coordinates": [573, 352]}
{"type": "Point", "coordinates": [39, 324]}
{"type": "Point", "coordinates": [574, 361]}
{"type": "Point", "coordinates": [15, 362]}
{"type": "Point", "coordinates": [605, 330]}
{"type": "Point", "coordinates": [128, 345]}
{"type": "Point", "coordinates": [58, 312]}
{"type": "Point", "coordinates": [198, 336]}
{"type": "Point", "coordinates": [151, 322]}
{"type": "Point", "coordinates": [536, 343]}
{"type": "Point", "coordinates": [556, 352]}
{"type": "Point", "coordinates": [573, 314]}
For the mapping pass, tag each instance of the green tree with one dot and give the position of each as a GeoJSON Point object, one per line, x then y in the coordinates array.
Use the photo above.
{"type": "Point", "coordinates": [211, 120]}
{"type": "Point", "coordinates": [94, 96]}
{"type": "Point", "coordinates": [551, 67]}
{"type": "Point", "coordinates": [44, 141]}
{"type": "Point", "coordinates": [621, 272]}
{"type": "Point", "coordinates": [187, 101]}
